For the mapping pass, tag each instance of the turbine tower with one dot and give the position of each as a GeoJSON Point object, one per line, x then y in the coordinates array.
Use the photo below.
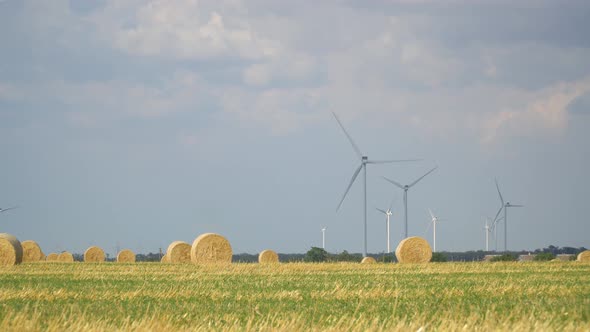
{"type": "Point", "coordinates": [504, 207]}
{"type": "Point", "coordinates": [433, 222]}
{"type": "Point", "coordinates": [387, 216]}
{"type": "Point", "coordinates": [363, 166]}
{"type": "Point", "coordinates": [324, 237]}
{"type": "Point", "coordinates": [405, 189]}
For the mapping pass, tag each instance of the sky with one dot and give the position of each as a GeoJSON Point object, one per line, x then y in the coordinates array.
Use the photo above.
{"type": "Point", "coordinates": [132, 124]}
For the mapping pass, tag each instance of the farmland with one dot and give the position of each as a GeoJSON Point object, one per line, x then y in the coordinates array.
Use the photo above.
{"type": "Point", "coordinates": [295, 296]}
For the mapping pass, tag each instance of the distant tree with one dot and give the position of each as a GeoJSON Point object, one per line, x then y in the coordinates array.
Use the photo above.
{"type": "Point", "coordinates": [544, 256]}
{"type": "Point", "coordinates": [316, 254]}
{"type": "Point", "coordinates": [345, 256]}
{"type": "Point", "coordinates": [438, 257]}
{"type": "Point", "coordinates": [504, 258]}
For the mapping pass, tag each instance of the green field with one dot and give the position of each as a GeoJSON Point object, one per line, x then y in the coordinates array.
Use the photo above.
{"type": "Point", "coordinates": [296, 296]}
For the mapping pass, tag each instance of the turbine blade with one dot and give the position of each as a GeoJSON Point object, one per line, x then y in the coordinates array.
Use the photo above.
{"type": "Point", "coordinates": [390, 161]}
{"type": "Point", "coordinates": [428, 228]}
{"type": "Point", "coordinates": [393, 182]}
{"type": "Point", "coordinates": [9, 208]}
{"type": "Point", "coordinates": [378, 209]}
{"type": "Point", "coordinates": [431, 214]}
{"type": "Point", "coordinates": [356, 173]}
{"type": "Point", "coordinates": [354, 146]}
{"type": "Point", "coordinates": [499, 193]}
{"type": "Point", "coordinates": [422, 177]}
{"type": "Point", "coordinates": [391, 204]}
{"type": "Point", "coordinates": [497, 215]}
{"type": "Point", "coordinates": [512, 205]}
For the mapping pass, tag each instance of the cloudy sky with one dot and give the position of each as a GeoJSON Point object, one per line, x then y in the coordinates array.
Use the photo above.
{"type": "Point", "coordinates": [134, 123]}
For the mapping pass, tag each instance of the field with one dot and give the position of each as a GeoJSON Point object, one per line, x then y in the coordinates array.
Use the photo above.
{"type": "Point", "coordinates": [295, 296]}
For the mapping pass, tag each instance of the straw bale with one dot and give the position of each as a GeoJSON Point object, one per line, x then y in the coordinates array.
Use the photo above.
{"type": "Point", "coordinates": [584, 256]}
{"type": "Point", "coordinates": [65, 257]}
{"type": "Point", "coordinates": [268, 257]}
{"type": "Point", "coordinates": [413, 250]}
{"type": "Point", "coordinates": [368, 260]}
{"type": "Point", "coordinates": [125, 256]}
{"type": "Point", "coordinates": [52, 257]}
{"type": "Point", "coordinates": [178, 252]}
{"type": "Point", "coordinates": [164, 259]}
{"type": "Point", "coordinates": [11, 250]}
{"type": "Point", "coordinates": [94, 254]}
{"type": "Point", "coordinates": [31, 251]}
{"type": "Point", "coordinates": [211, 248]}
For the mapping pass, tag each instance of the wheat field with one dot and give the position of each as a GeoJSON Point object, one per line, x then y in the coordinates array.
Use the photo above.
{"type": "Point", "coordinates": [295, 297]}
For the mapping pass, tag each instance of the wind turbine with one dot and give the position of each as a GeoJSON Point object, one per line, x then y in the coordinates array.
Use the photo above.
{"type": "Point", "coordinates": [324, 237]}
{"type": "Point", "coordinates": [363, 166]}
{"type": "Point", "coordinates": [433, 222]}
{"type": "Point", "coordinates": [488, 229]}
{"type": "Point", "coordinates": [387, 216]}
{"type": "Point", "coordinates": [405, 189]}
{"type": "Point", "coordinates": [504, 207]}
{"type": "Point", "coordinates": [6, 209]}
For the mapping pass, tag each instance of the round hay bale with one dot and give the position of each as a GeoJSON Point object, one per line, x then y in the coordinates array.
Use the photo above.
{"type": "Point", "coordinates": [368, 260]}
{"type": "Point", "coordinates": [413, 250]}
{"type": "Point", "coordinates": [164, 259]}
{"type": "Point", "coordinates": [211, 248]}
{"type": "Point", "coordinates": [584, 256]}
{"type": "Point", "coordinates": [268, 257]}
{"type": "Point", "coordinates": [178, 252]}
{"type": "Point", "coordinates": [65, 257]}
{"type": "Point", "coordinates": [125, 256]}
{"type": "Point", "coordinates": [11, 250]}
{"type": "Point", "coordinates": [31, 251]}
{"type": "Point", "coordinates": [52, 257]}
{"type": "Point", "coordinates": [94, 254]}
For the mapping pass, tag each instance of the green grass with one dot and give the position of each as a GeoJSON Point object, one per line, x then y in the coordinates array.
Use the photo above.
{"type": "Point", "coordinates": [153, 296]}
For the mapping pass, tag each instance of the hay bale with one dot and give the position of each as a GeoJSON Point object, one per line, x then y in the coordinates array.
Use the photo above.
{"type": "Point", "coordinates": [164, 259]}
{"type": "Point", "coordinates": [94, 254]}
{"type": "Point", "coordinates": [268, 257]}
{"type": "Point", "coordinates": [368, 260]}
{"type": "Point", "coordinates": [31, 251]}
{"type": "Point", "coordinates": [178, 252]}
{"type": "Point", "coordinates": [125, 256]}
{"type": "Point", "coordinates": [584, 256]}
{"type": "Point", "coordinates": [413, 250]}
{"type": "Point", "coordinates": [11, 250]}
{"type": "Point", "coordinates": [65, 257]}
{"type": "Point", "coordinates": [211, 248]}
{"type": "Point", "coordinates": [52, 257]}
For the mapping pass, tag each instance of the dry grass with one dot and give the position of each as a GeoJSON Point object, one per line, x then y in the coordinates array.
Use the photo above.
{"type": "Point", "coordinates": [94, 254]}
{"type": "Point", "coordinates": [126, 256]}
{"type": "Point", "coordinates": [413, 250]}
{"type": "Point", "coordinates": [32, 252]}
{"type": "Point", "coordinates": [268, 257]}
{"type": "Point", "coordinates": [178, 252]}
{"type": "Point", "coordinates": [11, 251]}
{"type": "Point", "coordinates": [210, 248]}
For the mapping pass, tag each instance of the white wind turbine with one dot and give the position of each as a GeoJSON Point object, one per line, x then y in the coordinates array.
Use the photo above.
{"type": "Point", "coordinates": [505, 206]}
{"type": "Point", "coordinates": [388, 214]}
{"type": "Point", "coordinates": [488, 229]}
{"type": "Point", "coordinates": [363, 166]}
{"type": "Point", "coordinates": [324, 237]}
{"type": "Point", "coordinates": [433, 222]}
{"type": "Point", "coordinates": [405, 189]}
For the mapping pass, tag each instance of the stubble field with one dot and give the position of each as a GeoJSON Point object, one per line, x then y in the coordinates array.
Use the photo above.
{"type": "Point", "coordinates": [295, 296]}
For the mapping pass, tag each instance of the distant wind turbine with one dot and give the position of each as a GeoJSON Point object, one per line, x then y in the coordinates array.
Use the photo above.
{"type": "Point", "coordinates": [405, 189]}
{"type": "Point", "coordinates": [488, 229]}
{"type": "Point", "coordinates": [363, 166]}
{"type": "Point", "coordinates": [324, 237]}
{"type": "Point", "coordinates": [433, 222]}
{"type": "Point", "coordinates": [504, 207]}
{"type": "Point", "coordinates": [387, 216]}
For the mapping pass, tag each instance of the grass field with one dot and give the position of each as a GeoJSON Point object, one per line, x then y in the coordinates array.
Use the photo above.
{"type": "Point", "coordinates": [296, 296]}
